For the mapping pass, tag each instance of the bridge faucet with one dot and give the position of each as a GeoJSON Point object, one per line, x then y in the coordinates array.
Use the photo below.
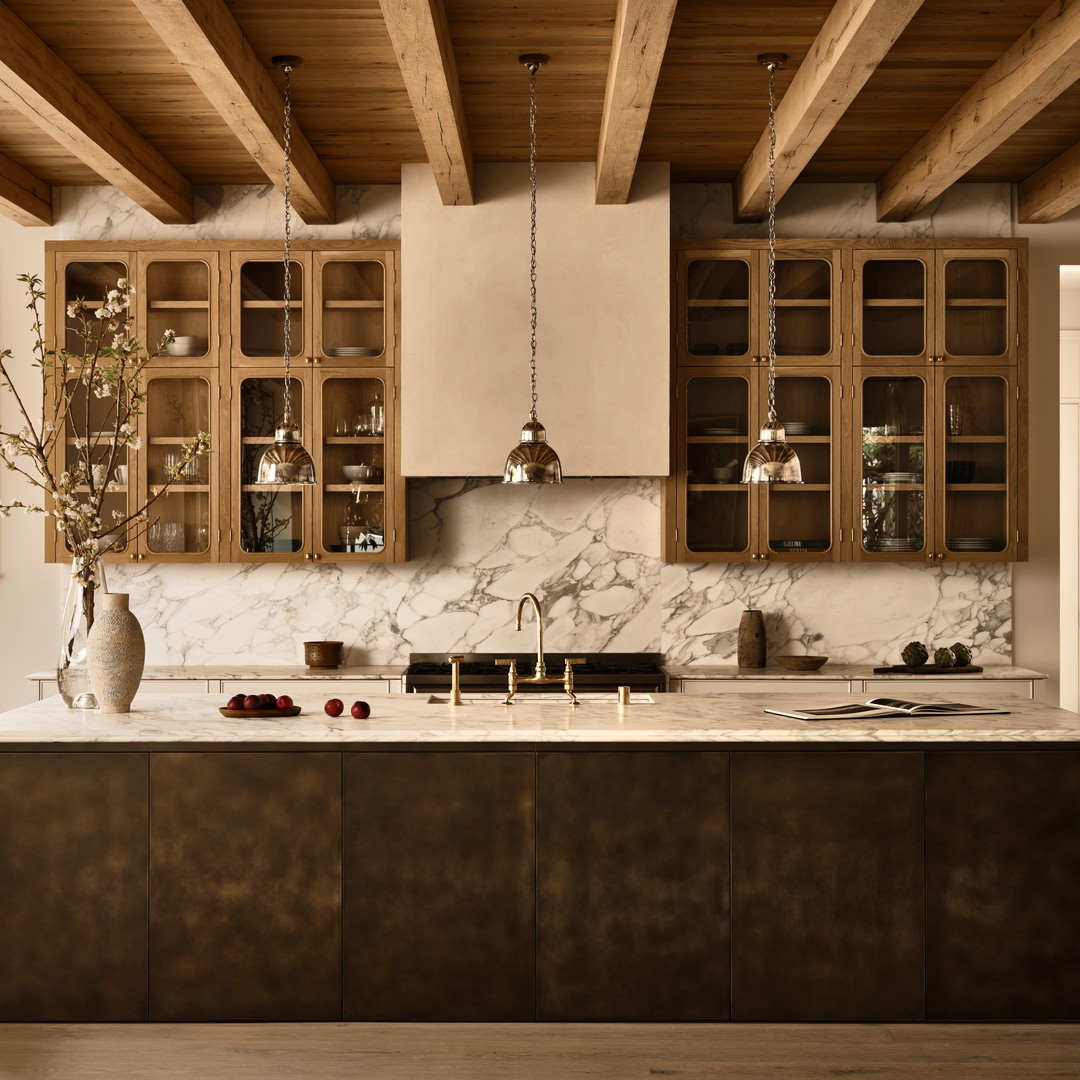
{"type": "Point", "coordinates": [540, 675]}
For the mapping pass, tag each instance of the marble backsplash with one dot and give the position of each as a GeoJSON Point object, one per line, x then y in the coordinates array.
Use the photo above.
{"type": "Point", "coordinates": [589, 549]}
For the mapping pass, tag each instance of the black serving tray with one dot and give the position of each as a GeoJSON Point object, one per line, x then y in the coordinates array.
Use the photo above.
{"type": "Point", "coordinates": [927, 669]}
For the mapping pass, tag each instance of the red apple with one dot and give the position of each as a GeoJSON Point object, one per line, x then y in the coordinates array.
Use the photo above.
{"type": "Point", "coordinates": [334, 707]}
{"type": "Point", "coordinates": [252, 702]}
{"type": "Point", "coordinates": [268, 701]}
{"type": "Point", "coordinates": [361, 710]}
{"type": "Point", "coordinates": [284, 702]}
{"type": "Point", "coordinates": [236, 702]}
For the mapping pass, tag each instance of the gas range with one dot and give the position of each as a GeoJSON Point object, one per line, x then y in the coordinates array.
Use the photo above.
{"type": "Point", "coordinates": [601, 672]}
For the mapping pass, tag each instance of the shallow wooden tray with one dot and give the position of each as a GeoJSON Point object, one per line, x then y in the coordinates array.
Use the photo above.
{"type": "Point", "coordinates": [241, 713]}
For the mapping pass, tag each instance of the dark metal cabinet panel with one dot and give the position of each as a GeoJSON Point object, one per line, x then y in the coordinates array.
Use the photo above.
{"type": "Point", "coordinates": [827, 900]}
{"type": "Point", "coordinates": [439, 886]}
{"type": "Point", "coordinates": [73, 869]}
{"type": "Point", "coordinates": [1003, 885]}
{"type": "Point", "coordinates": [245, 886]}
{"type": "Point", "coordinates": [632, 866]}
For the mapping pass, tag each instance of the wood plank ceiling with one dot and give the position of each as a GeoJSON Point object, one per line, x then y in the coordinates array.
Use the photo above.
{"type": "Point", "coordinates": [155, 96]}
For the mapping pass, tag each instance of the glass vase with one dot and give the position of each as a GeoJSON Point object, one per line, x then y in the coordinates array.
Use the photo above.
{"type": "Point", "coordinates": [72, 674]}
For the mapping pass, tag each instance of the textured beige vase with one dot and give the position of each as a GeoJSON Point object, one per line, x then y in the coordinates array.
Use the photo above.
{"type": "Point", "coordinates": [115, 654]}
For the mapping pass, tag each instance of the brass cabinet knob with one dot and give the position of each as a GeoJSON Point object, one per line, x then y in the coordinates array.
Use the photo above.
{"type": "Point", "coordinates": [133, 557]}
{"type": "Point", "coordinates": [316, 557]}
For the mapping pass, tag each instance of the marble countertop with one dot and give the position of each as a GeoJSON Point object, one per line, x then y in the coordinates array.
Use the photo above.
{"type": "Point", "coordinates": [836, 672]}
{"type": "Point", "coordinates": [164, 720]}
{"type": "Point", "coordinates": [252, 671]}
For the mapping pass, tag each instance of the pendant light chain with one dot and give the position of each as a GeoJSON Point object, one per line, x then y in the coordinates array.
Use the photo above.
{"type": "Point", "coordinates": [287, 176]}
{"type": "Point", "coordinates": [772, 240]}
{"type": "Point", "coordinates": [532, 234]}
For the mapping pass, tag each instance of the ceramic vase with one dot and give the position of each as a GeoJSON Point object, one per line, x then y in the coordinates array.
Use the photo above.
{"type": "Point", "coordinates": [751, 649]}
{"type": "Point", "coordinates": [115, 654]}
{"type": "Point", "coordinates": [72, 677]}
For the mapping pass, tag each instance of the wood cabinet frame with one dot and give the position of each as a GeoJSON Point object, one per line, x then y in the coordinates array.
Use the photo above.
{"type": "Point", "coordinates": [851, 363]}
{"type": "Point", "coordinates": [224, 364]}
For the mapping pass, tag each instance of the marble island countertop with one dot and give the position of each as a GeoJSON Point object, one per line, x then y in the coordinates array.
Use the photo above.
{"type": "Point", "coordinates": [839, 672]}
{"type": "Point", "coordinates": [210, 672]}
{"type": "Point", "coordinates": [160, 721]}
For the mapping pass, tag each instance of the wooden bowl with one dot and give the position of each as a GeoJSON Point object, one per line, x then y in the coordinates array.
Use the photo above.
{"type": "Point", "coordinates": [801, 663]}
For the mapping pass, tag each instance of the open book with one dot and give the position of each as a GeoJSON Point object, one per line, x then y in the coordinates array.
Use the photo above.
{"type": "Point", "coordinates": [881, 706]}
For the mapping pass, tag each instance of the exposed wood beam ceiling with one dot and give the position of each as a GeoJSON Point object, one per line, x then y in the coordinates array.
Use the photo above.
{"type": "Point", "coordinates": [1040, 65]}
{"type": "Point", "coordinates": [637, 50]}
{"type": "Point", "coordinates": [856, 37]}
{"type": "Point", "coordinates": [155, 96]}
{"type": "Point", "coordinates": [204, 37]}
{"type": "Point", "coordinates": [37, 83]}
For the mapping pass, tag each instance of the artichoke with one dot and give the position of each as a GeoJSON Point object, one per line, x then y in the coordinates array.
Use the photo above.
{"type": "Point", "coordinates": [914, 654]}
{"type": "Point", "coordinates": [944, 658]}
{"type": "Point", "coordinates": [962, 654]}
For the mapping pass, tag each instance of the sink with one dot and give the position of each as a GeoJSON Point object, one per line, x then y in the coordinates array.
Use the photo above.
{"type": "Point", "coordinates": [584, 697]}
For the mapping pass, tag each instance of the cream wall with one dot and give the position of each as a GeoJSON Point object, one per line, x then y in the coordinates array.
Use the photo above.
{"type": "Point", "coordinates": [29, 590]}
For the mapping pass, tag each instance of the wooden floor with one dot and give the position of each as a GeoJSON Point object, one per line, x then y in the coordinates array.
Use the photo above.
{"type": "Point", "coordinates": [537, 1051]}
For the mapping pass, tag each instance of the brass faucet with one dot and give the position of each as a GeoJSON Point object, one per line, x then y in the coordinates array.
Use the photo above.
{"type": "Point", "coordinates": [455, 679]}
{"type": "Point", "coordinates": [540, 675]}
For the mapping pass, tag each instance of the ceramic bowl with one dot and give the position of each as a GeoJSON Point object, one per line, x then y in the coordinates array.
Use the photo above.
{"type": "Point", "coordinates": [801, 663]}
{"type": "Point", "coordinates": [357, 473]}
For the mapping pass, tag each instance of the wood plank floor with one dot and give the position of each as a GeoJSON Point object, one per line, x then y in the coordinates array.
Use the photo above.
{"type": "Point", "coordinates": [538, 1051]}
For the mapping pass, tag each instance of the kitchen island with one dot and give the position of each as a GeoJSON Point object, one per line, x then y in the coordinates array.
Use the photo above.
{"type": "Point", "coordinates": [679, 859]}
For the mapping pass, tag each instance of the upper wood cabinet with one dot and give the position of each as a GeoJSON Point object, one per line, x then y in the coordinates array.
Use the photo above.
{"type": "Point", "coordinates": [226, 376]}
{"type": "Point", "coordinates": [901, 380]}
{"type": "Point", "coordinates": [722, 301]}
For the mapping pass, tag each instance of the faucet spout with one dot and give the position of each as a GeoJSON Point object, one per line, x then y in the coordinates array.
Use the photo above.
{"type": "Point", "coordinates": [540, 675]}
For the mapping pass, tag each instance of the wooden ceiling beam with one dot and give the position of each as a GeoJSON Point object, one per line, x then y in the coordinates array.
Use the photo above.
{"type": "Point", "coordinates": [1052, 191]}
{"type": "Point", "coordinates": [38, 84]}
{"type": "Point", "coordinates": [204, 37]}
{"type": "Point", "coordinates": [1042, 63]}
{"type": "Point", "coordinates": [420, 37]}
{"type": "Point", "coordinates": [853, 40]}
{"type": "Point", "coordinates": [24, 197]}
{"type": "Point", "coordinates": [637, 51]}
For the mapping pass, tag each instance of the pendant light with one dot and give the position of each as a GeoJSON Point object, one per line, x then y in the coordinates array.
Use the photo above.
{"type": "Point", "coordinates": [532, 461]}
{"type": "Point", "coordinates": [772, 460]}
{"type": "Point", "coordinates": [287, 461]}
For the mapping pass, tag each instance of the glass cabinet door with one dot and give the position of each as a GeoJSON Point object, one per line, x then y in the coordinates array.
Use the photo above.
{"type": "Point", "coordinates": [801, 522]}
{"type": "Point", "coordinates": [976, 418]}
{"type": "Point", "coordinates": [805, 328]}
{"type": "Point", "coordinates": [89, 446]}
{"type": "Point", "coordinates": [353, 510]}
{"type": "Point", "coordinates": [717, 306]}
{"type": "Point", "coordinates": [259, 308]}
{"type": "Point", "coordinates": [718, 409]}
{"type": "Point", "coordinates": [976, 315]}
{"type": "Point", "coordinates": [180, 294]}
{"type": "Point", "coordinates": [892, 312]}
{"type": "Point", "coordinates": [177, 409]}
{"type": "Point", "coordinates": [270, 519]}
{"type": "Point", "coordinates": [89, 280]}
{"type": "Point", "coordinates": [352, 309]}
{"type": "Point", "coordinates": [893, 517]}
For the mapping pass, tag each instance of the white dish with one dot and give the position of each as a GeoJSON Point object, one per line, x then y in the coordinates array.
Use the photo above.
{"type": "Point", "coordinates": [353, 350]}
{"type": "Point", "coordinates": [183, 348]}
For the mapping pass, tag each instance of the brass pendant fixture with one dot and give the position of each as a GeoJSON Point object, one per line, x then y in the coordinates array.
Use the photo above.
{"type": "Point", "coordinates": [287, 461]}
{"type": "Point", "coordinates": [532, 461]}
{"type": "Point", "coordinates": [771, 460]}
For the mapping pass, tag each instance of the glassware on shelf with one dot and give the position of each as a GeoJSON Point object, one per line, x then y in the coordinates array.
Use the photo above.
{"type": "Point", "coordinates": [377, 413]}
{"type": "Point", "coordinates": [362, 425]}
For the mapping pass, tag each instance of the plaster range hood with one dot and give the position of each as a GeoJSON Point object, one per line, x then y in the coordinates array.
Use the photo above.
{"type": "Point", "coordinates": [603, 341]}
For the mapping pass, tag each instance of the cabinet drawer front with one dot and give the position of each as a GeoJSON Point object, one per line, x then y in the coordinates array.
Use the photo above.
{"type": "Point", "coordinates": [958, 688]}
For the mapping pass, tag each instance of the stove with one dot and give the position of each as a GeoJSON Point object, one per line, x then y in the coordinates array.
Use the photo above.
{"type": "Point", "coordinates": [601, 672]}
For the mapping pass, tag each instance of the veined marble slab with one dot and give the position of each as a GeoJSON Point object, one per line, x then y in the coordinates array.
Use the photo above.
{"type": "Point", "coordinates": [182, 719]}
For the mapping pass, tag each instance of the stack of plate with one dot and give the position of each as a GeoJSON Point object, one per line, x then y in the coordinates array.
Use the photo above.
{"type": "Point", "coordinates": [353, 350]}
{"type": "Point", "coordinates": [900, 478]}
{"type": "Point", "coordinates": [894, 543]}
{"type": "Point", "coordinates": [970, 543]}
{"type": "Point", "coordinates": [796, 427]}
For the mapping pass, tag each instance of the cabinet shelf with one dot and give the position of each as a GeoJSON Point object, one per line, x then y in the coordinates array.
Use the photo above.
{"type": "Point", "coordinates": [789, 489]}
{"type": "Point", "coordinates": [352, 489]}
{"type": "Point", "coordinates": [181, 489]}
{"type": "Point", "coordinates": [271, 305]}
{"type": "Point", "coordinates": [179, 305]}
{"type": "Point", "coordinates": [892, 487]}
{"type": "Point", "coordinates": [886, 440]}
{"type": "Point", "coordinates": [347, 305]}
{"type": "Point", "coordinates": [797, 302]}
{"type": "Point", "coordinates": [975, 439]}
{"type": "Point", "coordinates": [960, 489]}
{"type": "Point", "coordinates": [889, 303]}
{"type": "Point", "coordinates": [170, 440]}
{"type": "Point", "coordinates": [997, 302]}
{"type": "Point", "coordinates": [353, 440]}
{"type": "Point", "coordinates": [718, 303]}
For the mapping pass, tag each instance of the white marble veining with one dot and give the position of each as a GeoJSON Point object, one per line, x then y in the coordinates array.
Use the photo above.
{"type": "Point", "coordinates": [590, 548]}
{"type": "Point", "coordinates": [209, 673]}
{"type": "Point", "coordinates": [705, 210]}
{"type": "Point", "coordinates": [183, 719]}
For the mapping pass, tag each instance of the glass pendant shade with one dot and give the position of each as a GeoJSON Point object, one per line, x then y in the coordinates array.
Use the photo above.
{"type": "Point", "coordinates": [286, 461]}
{"type": "Point", "coordinates": [533, 461]}
{"type": "Point", "coordinates": [771, 460]}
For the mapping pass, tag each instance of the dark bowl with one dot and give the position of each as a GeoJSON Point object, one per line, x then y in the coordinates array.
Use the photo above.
{"type": "Point", "coordinates": [959, 472]}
